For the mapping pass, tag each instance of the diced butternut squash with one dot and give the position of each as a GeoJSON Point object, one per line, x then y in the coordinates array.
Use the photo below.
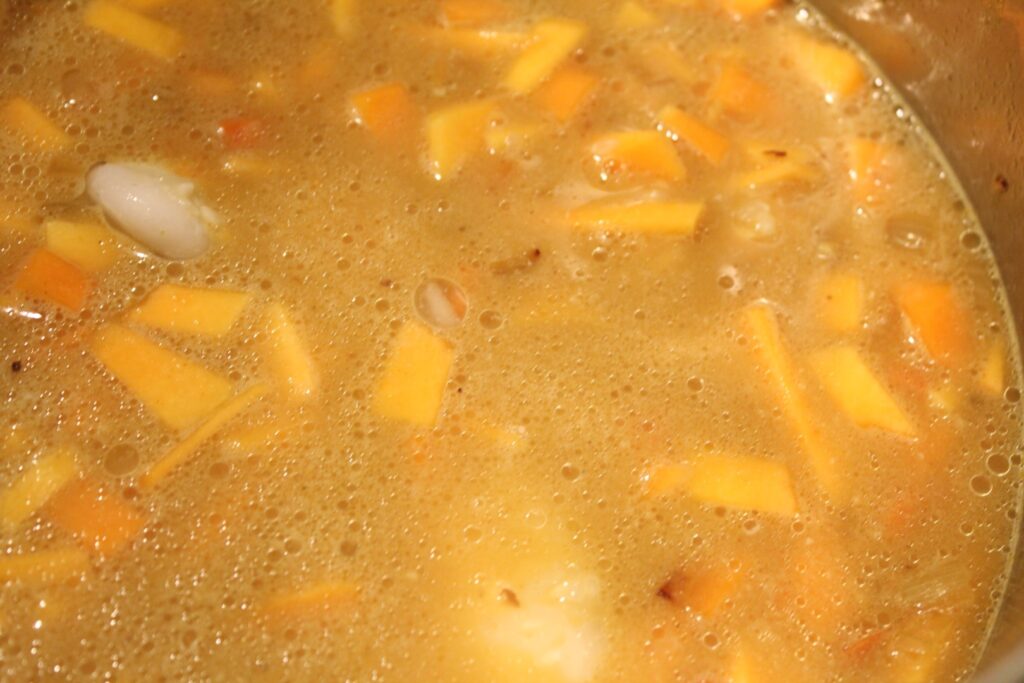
{"type": "Point", "coordinates": [565, 93]}
{"type": "Point", "coordinates": [40, 481]}
{"type": "Point", "coordinates": [922, 647]}
{"type": "Point", "coordinates": [311, 601]}
{"type": "Point", "coordinates": [454, 134]}
{"type": "Point", "coordinates": [738, 93]}
{"type": "Point", "coordinates": [869, 160]}
{"type": "Point", "coordinates": [668, 218]}
{"type": "Point", "coordinates": [702, 591]}
{"type": "Point", "coordinates": [632, 16]}
{"type": "Point", "coordinates": [344, 16]}
{"type": "Point", "coordinates": [742, 483]}
{"type": "Point", "coordinates": [44, 566]}
{"type": "Point", "coordinates": [851, 384]}
{"type": "Point", "coordinates": [553, 41]}
{"type": "Point", "coordinates": [840, 302]}
{"type": "Point", "coordinates": [473, 12]}
{"type": "Point", "coordinates": [23, 118]}
{"type": "Point", "coordinates": [762, 326]}
{"type": "Point", "coordinates": [47, 276]}
{"type": "Point", "coordinates": [90, 247]}
{"type": "Point", "coordinates": [133, 28]}
{"type": "Point", "coordinates": [680, 126]}
{"type": "Point", "coordinates": [412, 386]}
{"type": "Point", "coordinates": [666, 479]}
{"type": "Point", "coordinates": [479, 43]}
{"type": "Point", "coordinates": [97, 517]}
{"type": "Point", "coordinates": [638, 154]}
{"type": "Point", "coordinates": [663, 60]}
{"type": "Point", "coordinates": [993, 370]}
{"type": "Point", "coordinates": [744, 9]}
{"type": "Point", "coordinates": [774, 164]}
{"type": "Point", "coordinates": [289, 355]}
{"type": "Point", "coordinates": [187, 448]}
{"type": "Point", "coordinates": [191, 310]}
{"type": "Point", "coordinates": [832, 68]}
{"type": "Point", "coordinates": [387, 111]}
{"type": "Point", "coordinates": [742, 669]}
{"type": "Point", "coordinates": [177, 390]}
{"type": "Point", "coordinates": [938, 319]}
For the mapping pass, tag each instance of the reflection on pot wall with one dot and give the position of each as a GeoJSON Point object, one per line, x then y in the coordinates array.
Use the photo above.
{"type": "Point", "coordinates": [960, 64]}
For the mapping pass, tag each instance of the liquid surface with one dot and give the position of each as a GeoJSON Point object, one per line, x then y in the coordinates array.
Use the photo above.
{"type": "Point", "coordinates": [551, 341]}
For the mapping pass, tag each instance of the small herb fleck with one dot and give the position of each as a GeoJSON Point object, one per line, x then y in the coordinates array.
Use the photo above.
{"type": "Point", "coordinates": [16, 366]}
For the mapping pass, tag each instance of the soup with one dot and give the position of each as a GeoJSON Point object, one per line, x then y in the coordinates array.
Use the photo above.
{"type": "Point", "coordinates": [475, 340]}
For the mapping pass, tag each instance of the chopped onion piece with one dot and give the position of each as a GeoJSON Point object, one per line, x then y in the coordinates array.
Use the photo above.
{"type": "Point", "coordinates": [441, 303]}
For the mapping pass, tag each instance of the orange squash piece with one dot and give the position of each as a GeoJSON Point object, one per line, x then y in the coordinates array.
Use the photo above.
{"type": "Point", "coordinates": [938, 318]}
{"type": "Point", "coordinates": [96, 516]}
{"type": "Point", "coordinates": [46, 276]}
{"type": "Point", "coordinates": [703, 591]}
{"type": "Point", "coordinates": [740, 94]}
{"type": "Point", "coordinates": [637, 154]}
{"type": "Point", "coordinates": [706, 141]}
{"type": "Point", "coordinates": [744, 9]}
{"type": "Point", "coordinates": [387, 111]}
{"type": "Point", "coordinates": [472, 12]}
{"type": "Point", "coordinates": [566, 91]}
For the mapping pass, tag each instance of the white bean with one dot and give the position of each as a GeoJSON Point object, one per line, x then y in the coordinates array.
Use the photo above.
{"type": "Point", "coordinates": [153, 206]}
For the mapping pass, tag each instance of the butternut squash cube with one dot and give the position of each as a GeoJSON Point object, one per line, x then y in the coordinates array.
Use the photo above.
{"type": "Point", "coordinates": [776, 164]}
{"type": "Point", "coordinates": [841, 302]}
{"type": "Point", "coordinates": [666, 479]}
{"type": "Point", "coordinates": [191, 310]}
{"type": "Point", "coordinates": [387, 111]}
{"type": "Point", "coordinates": [133, 28]}
{"type": "Point", "coordinates": [738, 93]}
{"type": "Point", "coordinates": [345, 16]}
{"type": "Point", "coordinates": [412, 386]}
{"type": "Point", "coordinates": [44, 566]}
{"type": "Point", "coordinates": [454, 134]}
{"type": "Point", "coordinates": [938, 318]}
{"type": "Point", "coordinates": [762, 326]}
{"type": "Point", "coordinates": [35, 486]}
{"type": "Point", "coordinates": [702, 591]}
{"type": "Point", "coordinates": [98, 518]}
{"type": "Point", "coordinates": [23, 118]}
{"type": "Point", "coordinates": [643, 153]}
{"type": "Point", "coordinates": [177, 390]}
{"type": "Point", "coordinates": [922, 647]}
{"type": "Point", "coordinates": [680, 126]}
{"type": "Point", "coordinates": [833, 68]}
{"type": "Point", "coordinates": [89, 246]}
{"type": "Point", "coordinates": [308, 602]}
{"type": "Point", "coordinates": [745, 9]}
{"type": "Point", "coordinates": [632, 15]}
{"type": "Point", "coordinates": [666, 218]}
{"type": "Point", "coordinates": [49, 277]}
{"type": "Point", "coordinates": [852, 384]}
{"type": "Point", "coordinates": [742, 483]}
{"type": "Point", "coordinates": [565, 93]}
{"type": "Point", "coordinates": [289, 355]}
{"type": "Point", "coordinates": [185, 449]}
{"type": "Point", "coordinates": [473, 12]}
{"type": "Point", "coordinates": [553, 41]}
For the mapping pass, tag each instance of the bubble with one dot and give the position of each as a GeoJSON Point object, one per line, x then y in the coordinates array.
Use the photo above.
{"type": "Point", "coordinates": [970, 240]}
{"type": "Point", "coordinates": [570, 472]}
{"type": "Point", "coordinates": [997, 464]}
{"type": "Point", "coordinates": [1012, 395]}
{"type": "Point", "coordinates": [711, 641]}
{"type": "Point", "coordinates": [490, 320]}
{"type": "Point", "coordinates": [695, 384]}
{"type": "Point", "coordinates": [981, 485]}
{"type": "Point", "coordinates": [121, 459]}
